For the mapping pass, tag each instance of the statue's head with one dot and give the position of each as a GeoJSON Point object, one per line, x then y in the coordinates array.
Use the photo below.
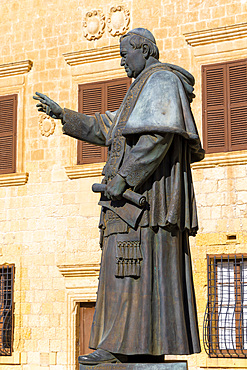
{"type": "Point", "coordinates": [137, 47]}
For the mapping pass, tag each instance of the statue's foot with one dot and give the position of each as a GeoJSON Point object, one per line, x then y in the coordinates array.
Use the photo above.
{"type": "Point", "coordinates": [99, 356]}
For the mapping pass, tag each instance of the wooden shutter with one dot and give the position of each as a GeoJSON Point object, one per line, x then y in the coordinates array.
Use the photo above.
{"type": "Point", "coordinates": [225, 106]}
{"type": "Point", "coordinates": [86, 320]}
{"type": "Point", "coordinates": [214, 108]}
{"type": "Point", "coordinates": [99, 97]}
{"type": "Point", "coordinates": [91, 101]}
{"type": "Point", "coordinates": [8, 119]}
{"type": "Point", "coordinates": [115, 93]}
{"type": "Point", "coordinates": [237, 113]}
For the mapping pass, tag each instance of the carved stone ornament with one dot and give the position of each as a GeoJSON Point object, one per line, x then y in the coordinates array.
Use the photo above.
{"type": "Point", "coordinates": [118, 20]}
{"type": "Point", "coordinates": [94, 25]}
{"type": "Point", "coordinates": [46, 125]}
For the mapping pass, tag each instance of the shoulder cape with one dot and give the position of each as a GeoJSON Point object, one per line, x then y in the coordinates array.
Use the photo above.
{"type": "Point", "coordinates": [164, 106]}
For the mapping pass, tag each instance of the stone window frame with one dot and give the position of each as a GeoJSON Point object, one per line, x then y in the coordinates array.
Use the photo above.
{"type": "Point", "coordinates": [13, 78]}
{"type": "Point", "coordinates": [224, 101]}
{"type": "Point", "coordinates": [81, 282]}
{"type": "Point", "coordinates": [89, 66]}
{"type": "Point", "coordinates": [217, 45]}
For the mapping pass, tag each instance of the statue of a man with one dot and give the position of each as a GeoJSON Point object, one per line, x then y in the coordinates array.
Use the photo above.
{"type": "Point", "coordinates": [145, 303]}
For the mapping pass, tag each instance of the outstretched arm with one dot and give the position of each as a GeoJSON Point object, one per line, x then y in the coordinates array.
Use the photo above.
{"type": "Point", "coordinates": [92, 129]}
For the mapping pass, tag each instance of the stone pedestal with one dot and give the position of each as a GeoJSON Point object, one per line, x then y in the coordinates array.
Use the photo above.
{"type": "Point", "coordinates": [178, 365]}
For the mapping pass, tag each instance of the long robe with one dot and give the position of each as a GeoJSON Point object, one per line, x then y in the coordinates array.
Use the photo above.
{"type": "Point", "coordinates": [149, 306]}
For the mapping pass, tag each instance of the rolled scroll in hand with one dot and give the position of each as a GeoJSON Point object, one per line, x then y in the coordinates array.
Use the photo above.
{"type": "Point", "coordinates": [130, 195]}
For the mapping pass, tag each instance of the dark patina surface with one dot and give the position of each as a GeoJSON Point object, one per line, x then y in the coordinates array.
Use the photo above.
{"type": "Point", "coordinates": [145, 303]}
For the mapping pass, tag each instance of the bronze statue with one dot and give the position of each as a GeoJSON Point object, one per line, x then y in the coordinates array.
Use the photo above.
{"type": "Point", "coordinates": [145, 303]}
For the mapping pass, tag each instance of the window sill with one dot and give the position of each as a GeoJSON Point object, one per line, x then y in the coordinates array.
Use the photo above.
{"type": "Point", "coordinates": [84, 170]}
{"type": "Point", "coordinates": [222, 159]}
{"type": "Point", "coordinates": [13, 179]}
{"type": "Point", "coordinates": [84, 270]}
{"type": "Point", "coordinates": [223, 362]}
{"type": "Point", "coordinates": [15, 359]}
{"type": "Point", "coordinates": [210, 160]}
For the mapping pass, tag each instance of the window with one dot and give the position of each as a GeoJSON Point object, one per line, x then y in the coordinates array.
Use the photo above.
{"type": "Point", "coordinates": [6, 309]}
{"type": "Point", "coordinates": [224, 100]}
{"type": "Point", "coordinates": [225, 321]}
{"type": "Point", "coordinates": [8, 118]}
{"type": "Point", "coordinates": [86, 319]}
{"type": "Point", "coordinates": [99, 97]}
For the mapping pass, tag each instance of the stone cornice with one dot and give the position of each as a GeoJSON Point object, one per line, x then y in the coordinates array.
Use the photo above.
{"type": "Point", "coordinates": [92, 55]}
{"type": "Point", "coordinates": [13, 179]}
{"type": "Point", "coordinates": [15, 68]}
{"type": "Point", "coordinates": [85, 170]}
{"type": "Point", "coordinates": [85, 270]}
{"type": "Point", "coordinates": [222, 159]}
{"type": "Point", "coordinates": [214, 35]}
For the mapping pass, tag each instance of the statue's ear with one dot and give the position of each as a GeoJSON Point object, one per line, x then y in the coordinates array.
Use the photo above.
{"type": "Point", "coordinates": [145, 51]}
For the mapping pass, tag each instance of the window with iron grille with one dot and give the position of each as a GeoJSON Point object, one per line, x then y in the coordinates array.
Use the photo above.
{"type": "Point", "coordinates": [6, 309]}
{"type": "Point", "coordinates": [224, 103]}
{"type": "Point", "coordinates": [225, 321]}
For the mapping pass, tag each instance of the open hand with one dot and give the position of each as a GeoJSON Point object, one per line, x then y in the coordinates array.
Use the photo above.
{"type": "Point", "coordinates": [115, 188]}
{"type": "Point", "coordinates": [48, 106]}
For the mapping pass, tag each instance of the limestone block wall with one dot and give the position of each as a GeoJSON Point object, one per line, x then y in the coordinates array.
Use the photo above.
{"type": "Point", "coordinates": [49, 217]}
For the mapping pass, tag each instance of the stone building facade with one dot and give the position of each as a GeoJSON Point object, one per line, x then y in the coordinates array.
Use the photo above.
{"type": "Point", "coordinates": [49, 215]}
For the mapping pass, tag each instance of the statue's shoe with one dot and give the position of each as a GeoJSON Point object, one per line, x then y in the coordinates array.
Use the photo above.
{"type": "Point", "coordinates": [97, 357]}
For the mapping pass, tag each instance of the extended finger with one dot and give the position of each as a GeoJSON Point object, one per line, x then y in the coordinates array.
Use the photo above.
{"type": "Point", "coordinates": [43, 96]}
{"type": "Point", "coordinates": [36, 97]}
{"type": "Point", "coordinates": [40, 99]}
{"type": "Point", "coordinates": [115, 197]}
{"type": "Point", "coordinates": [107, 195]}
{"type": "Point", "coordinates": [41, 107]}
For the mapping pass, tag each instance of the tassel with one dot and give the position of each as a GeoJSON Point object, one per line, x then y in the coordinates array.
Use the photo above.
{"type": "Point", "coordinates": [128, 259]}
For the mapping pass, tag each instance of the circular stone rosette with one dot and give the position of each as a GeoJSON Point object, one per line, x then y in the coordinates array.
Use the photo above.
{"type": "Point", "coordinates": [94, 25]}
{"type": "Point", "coordinates": [46, 125]}
{"type": "Point", "coordinates": [118, 20]}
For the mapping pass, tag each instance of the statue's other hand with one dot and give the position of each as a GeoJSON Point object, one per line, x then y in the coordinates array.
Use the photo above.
{"type": "Point", "coordinates": [115, 188]}
{"type": "Point", "coordinates": [48, 106]}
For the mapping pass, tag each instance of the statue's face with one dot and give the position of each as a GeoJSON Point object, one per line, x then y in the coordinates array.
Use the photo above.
{"type": "Point", "coordinates": [132, 60]}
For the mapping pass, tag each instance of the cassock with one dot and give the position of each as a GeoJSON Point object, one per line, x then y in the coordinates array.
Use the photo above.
{"type": "Point", "coordinates": [146, 301]}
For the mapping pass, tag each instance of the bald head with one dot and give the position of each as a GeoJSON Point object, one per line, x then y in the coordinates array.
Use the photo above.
{"type": "Point", "coordinates": [141, 36]}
